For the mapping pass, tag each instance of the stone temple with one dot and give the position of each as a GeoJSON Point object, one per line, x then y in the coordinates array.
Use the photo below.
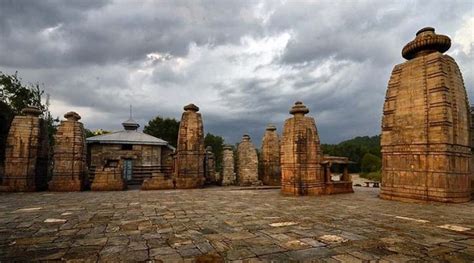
{"type": "Point", "coordinates": [304, 170]}
{"type": "Point", "coordinates": [26, 153]}
{"type": "Point", "coordinates": [69, 158]}
{"type": "Point", "coordinates": [270, 157]}
{"type": "Point", "coordinates": [228, 171]}
{"type": "Point", "coordinates": [247, 165]}
{"type": "Point", "coordinates": [190, 157]}
{"type": "Point", "coordinates": [425, 127]}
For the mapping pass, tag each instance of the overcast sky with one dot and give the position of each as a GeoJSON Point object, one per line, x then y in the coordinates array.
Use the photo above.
{"type": "Point", "coordinates": [244, 63]}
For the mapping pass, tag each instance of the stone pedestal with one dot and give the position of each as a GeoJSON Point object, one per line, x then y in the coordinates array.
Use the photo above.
{"type": "Point", "coordinates": [301, 156]}
{"type": "Point", "coordinates": [425, 126]}
{"type": "Point", "coordinates": [158, 181]}
{"type": "Point", "coordinates": [109, 177]}
{"type": "Point", "coordinates": [190, 151]}
{"type": "Point", "coordinates": [270, 156]}
{"type": "Point", "coordinates": [247, 167]}
{"type": "Point", "coordinates": [26, 154]}
{"type": "Point", "coordinates": [70, 168]}
{"type": "Point", "coordinates": [228, 172]}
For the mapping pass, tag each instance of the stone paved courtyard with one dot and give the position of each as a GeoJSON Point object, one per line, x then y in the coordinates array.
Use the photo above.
{"type": "Point", "coordinates": [217, 223]}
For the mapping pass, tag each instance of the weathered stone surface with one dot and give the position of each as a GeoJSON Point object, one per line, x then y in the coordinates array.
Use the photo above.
{"type": "Point", "coordinates": [425, 126]}
{"type": "Point", "coordinates": [109, 177]}
{"type": "Point", "coordinates": [211, 177]}
{"type": "Point", "coordinates": [472, 152]}
{"type": "Point", "coordinates": [270, 156]}
{"type": "Point", "coordinates": [190, 151]}
{"type": "Point", "coordinates": [70, 168]}
{"type": "Point", "coordinates": [247, 166]}
{"type": "Point", "coordinates": [224, 225]}
{"type": "Point", "coordinates": [158, 181]}
{"type": "Point", "coordinates": [228, 171]}
{"type": "Point", "coordinates": [26, 153]}
{"type": "Point", "coordinates": [301, 157]}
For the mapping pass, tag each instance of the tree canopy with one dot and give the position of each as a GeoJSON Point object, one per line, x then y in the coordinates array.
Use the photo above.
{"type": "Point", "coordinates": [355, 149]}
{"type": "Point", "coordinates": [217, 144]}
{"type": "Point", "coordinates": [15, 96]}
{"type": "Point", "coordinates": [163, 128]}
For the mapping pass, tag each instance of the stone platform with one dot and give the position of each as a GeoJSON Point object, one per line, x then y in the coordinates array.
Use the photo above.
{"type": "Point", "coordinates": [258, 225]}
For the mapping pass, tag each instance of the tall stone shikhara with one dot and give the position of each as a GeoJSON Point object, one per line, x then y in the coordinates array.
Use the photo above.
{"type": "Point", "coordinates": [247, 166]}
{"type": "Point", "coordinates": [228, 172]}
{"type": "Point", "coordinates": [70, 168]}
{"type": "Point", "coordinates": [472, 151]}
{"type": "Point", "coordinates": [26, 154]}
{"type": "Point", "coordinates": [190, 151]}
{"type": "Point", "coordinates": [270, 156]}
{"type": "Point", "coordinates": [301, 157]}
{"type": "Point", "coordinates": [425, 125]}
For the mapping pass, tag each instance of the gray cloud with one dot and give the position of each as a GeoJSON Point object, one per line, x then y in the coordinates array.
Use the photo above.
{"type": "Point", "coordinates": [243, 62]}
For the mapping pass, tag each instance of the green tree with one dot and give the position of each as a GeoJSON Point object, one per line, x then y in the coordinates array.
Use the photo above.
{"type": "Point", "coordinates": [14, 96]}
{"type": "Point", "coordinates": [370, 163]}
{"type": "Point", "coordinates": [217, 144]}
{"type": "Point", "coordinates": [163, 128]}
{"type": "Point", "coordinates": [354, 149]}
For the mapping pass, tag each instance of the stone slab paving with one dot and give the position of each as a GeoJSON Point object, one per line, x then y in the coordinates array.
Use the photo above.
{"type": "Point", "coordinates": [218, 224]}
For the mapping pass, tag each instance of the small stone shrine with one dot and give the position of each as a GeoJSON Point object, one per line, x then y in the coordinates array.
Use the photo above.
{"type": "Point", "coordinates": [247, 166]}
{"type": "Point", "coordinates": [270, 156]}
{"type": "Point", "coordinates": [425, 144]}
{"type": "Point", "coordinates": [108, 177]}
{"type": "Point", "coordinates": [70, 168]}
{"type": "Point", "coordinates": [210, 166]}
{"type": "Point", "coordinates": [228, 172]}
{"type": "Point", "coordinates": [26, 154]}
{"type": "Point", "coordinates": [190, 157]}
{"type": "Point", "coordinates": [302, 162]}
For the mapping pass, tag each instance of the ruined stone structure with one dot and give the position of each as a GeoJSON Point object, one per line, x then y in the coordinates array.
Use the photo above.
{"type": "Point", "coordinates": [425, 126]}
{"type": "Point", "coordinates": [302, 162]}
{"type": "Point", "coordinates": [472, 152]}
{"type": "Point", "coordinates": [109, 176]}
{"type": "Point", "coordinates": [70, 168]}
{"type": "Point", "coordinates": [190, 157]}
{"type": "Point", "coordinates": [270, 156]}
{"type": "Point", "coordinates": [26, 154]}
{"type": "Point", "coordinates": [228, 172]}
{"type": "Point", "coordinates": [301, 170]}
{"type": "Point", "coordinates": [211, 177]}
{"type": "Point", "coordinates": [141, 155]}
{"type": "Point", "coordinates": [247, 166]}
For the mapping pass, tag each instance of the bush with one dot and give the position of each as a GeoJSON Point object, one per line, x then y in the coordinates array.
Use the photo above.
{"type": "Point", "coordinates": [373, 176]}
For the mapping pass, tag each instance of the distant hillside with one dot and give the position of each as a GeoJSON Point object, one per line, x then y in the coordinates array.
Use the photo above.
{"type": "Point", "coordinates": [355, 149]}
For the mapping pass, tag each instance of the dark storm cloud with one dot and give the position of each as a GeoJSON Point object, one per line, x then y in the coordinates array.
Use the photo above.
{"type": "Point", "coordinates": [244, 63]}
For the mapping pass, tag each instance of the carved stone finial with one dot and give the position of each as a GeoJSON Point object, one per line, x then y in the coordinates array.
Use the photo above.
{"type": "Point", "coordinates": [31, 111]}
{"type": "Point", "coordinates": [425, 42]}
{"type": "Point", "coordinates": [72, 116]}
{"type": "Point", "coordinates": [299, 107]}
{"type": "Point", "coordinates": [271, 127]}
{"type": "Point", "coordinates": [191, 107]}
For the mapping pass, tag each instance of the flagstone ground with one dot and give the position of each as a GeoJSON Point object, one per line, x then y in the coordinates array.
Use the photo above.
{"type": "Point", "coordinates": [249, 225]}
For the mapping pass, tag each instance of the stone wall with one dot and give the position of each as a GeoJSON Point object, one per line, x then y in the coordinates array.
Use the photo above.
{"type": "Point", "coordinates": [26, 154]}
{"type": "Point", "coordinates": [228, 171]}
{"type": "Point", "coordinates": [109, 177]}
{"type": "Point", "coordinates": [190, 151]}
{"type": "Point", "coordinates": [301, 170]}
{"type": "Point", "coordinates": [270, 157]}
{"type": "Point", "coordinates": [70, 168]}
{"type": "Point", "coordinates": [425, 126]}
{"type": "Point", "coordinates": [247, 167]}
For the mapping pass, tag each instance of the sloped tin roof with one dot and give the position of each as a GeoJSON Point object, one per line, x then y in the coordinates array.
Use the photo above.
{"type": "Point", "coordinates": [128, 137]}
